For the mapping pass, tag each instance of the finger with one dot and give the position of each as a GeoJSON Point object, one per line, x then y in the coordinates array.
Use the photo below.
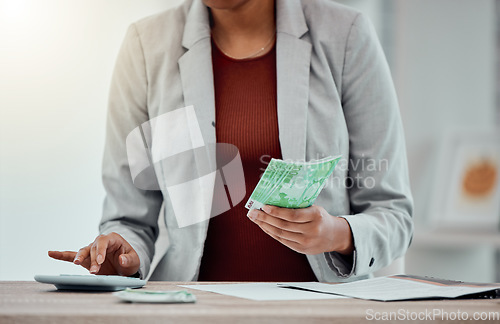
{"type": "Point", "coordinates": [94, 266]}
{"type": "Point", "coordinates": [83, 254]}
{"type": "Point", "coordinates": [129, 264]}
{"type": "Point", "coordinates": [98, 252]}
{"type": "Point", "coordinates": [296, 215]}
{"type": "Point", "coordinates": [102, 244]}
{"type": "Point", "coordinates": [102, 248]}
{"type": "Point", "coordinates": [124, 261]}
{"type": "Point", "coordinates": [128, 260]}
{"type": "Point", "coordinates": [62, 255]}
{"type": "Point", "coordinates": [280, 233]}
{"type": "Point", "coordinates": [256, 215]}
{"type": "Point", "coordinates": [291, 244]}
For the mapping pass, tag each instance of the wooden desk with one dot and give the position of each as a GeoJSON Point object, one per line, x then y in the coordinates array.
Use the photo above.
{"type": "Point", "coordinates": [32, 302]}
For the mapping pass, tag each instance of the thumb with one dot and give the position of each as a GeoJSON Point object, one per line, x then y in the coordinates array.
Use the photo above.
{"type": "Point", "coordinates": [129, 263]}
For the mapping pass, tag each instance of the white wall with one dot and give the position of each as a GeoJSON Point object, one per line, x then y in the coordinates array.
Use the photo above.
{"type": "Point", "coordinates": [444, 69]}
{"type": "Point", "coordinates": [56, 59]}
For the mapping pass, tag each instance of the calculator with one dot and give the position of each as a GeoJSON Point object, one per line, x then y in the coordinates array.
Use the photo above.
{"type": "Point", "coordinates": [91, 282]}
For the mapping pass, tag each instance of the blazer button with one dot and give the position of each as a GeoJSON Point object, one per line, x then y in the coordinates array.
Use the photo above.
{"type": "Point", "coordinates": [213, 124]}
{"type": "Point", "coordinates": [371, 262]}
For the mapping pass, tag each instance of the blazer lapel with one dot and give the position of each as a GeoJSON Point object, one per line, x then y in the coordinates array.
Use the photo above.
{"type": "Point", "coordinates": [196, 69]}
{"type": "Point", "coordinates": [293, 58]}
{"type": "Point", "coordinates": [196, 73]}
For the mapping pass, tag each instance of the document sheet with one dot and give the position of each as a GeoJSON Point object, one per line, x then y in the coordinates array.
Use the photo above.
{"type": "Point", "coordinates": [262, 291]}
{"type": "Point", "coordinates": [399, 287]}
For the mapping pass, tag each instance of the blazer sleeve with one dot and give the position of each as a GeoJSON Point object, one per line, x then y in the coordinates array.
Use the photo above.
{"type": "Point", "coordinates": [127, 210]}
{"type": "Point", "coordinates": [379, 190]}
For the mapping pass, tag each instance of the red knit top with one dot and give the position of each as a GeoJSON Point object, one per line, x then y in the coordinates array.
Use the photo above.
{"type": "Point", "coordinates": [236, 249]}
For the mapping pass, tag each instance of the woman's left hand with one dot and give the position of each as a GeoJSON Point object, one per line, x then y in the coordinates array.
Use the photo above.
{"type": "Point", "coordinates": [308, 230]}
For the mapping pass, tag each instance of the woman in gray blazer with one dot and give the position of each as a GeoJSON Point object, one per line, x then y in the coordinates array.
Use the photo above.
{"type": "Point", "coordinates": [333, 95]}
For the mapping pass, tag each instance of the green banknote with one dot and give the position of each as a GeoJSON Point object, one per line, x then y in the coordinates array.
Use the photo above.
{"type": "Point", "coordinates": [291, 184]}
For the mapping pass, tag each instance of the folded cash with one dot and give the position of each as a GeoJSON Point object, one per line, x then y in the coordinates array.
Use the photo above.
{"type": "Point", "coordinates": [291, 184]}
{"type": "Point", "coordinates": [151, 296]}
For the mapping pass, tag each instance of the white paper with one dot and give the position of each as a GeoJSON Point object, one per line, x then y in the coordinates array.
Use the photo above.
{"type": "Point", "coordinates": [262, 291]}
{"type": "Point", "coordinates": [393, 288]}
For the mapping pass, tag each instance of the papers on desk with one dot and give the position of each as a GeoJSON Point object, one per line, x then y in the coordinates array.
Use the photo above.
{"type": "Point", "coordinates": [262, 291]}
{"type": "Point", "coordinates": [390, 288]}
{"type": "Point", "coordinates": [400, 288]}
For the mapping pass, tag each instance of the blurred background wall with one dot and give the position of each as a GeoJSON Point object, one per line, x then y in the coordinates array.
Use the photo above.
{"type": "Point", "coordinates": [56, 59]}
{"type": "Point", "coordinates": [445, 63]}
{"type": "Point", "coordinates": [444, 59]}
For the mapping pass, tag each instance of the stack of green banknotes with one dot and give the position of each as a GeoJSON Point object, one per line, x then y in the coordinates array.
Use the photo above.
{"type": "Point", "coordinates": [291, 184]}
{"type": "Point", "coordinates": [150, 296]}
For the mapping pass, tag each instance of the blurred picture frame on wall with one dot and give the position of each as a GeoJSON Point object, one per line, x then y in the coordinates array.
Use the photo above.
{"type": "Point", "coordinates": [466, 185]}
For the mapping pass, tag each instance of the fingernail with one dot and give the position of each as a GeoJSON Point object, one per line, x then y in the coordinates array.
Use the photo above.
{"type": "Point", "coordinates": [252, 215]}
{"type": "Point", "coordinates": [93, 269]}
{"type": "Point", "coordinates": [124, 261]}
{"type": "Point", "coordinates": [100, 259]}
{"type": "Point", "coordinates": [76, 261]}
{"type": "Point", "coordinates": [266, 208]}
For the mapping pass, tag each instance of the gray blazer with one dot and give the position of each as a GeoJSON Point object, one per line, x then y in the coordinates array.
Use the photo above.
{"type": "Point", "coordinates": [335, 96]}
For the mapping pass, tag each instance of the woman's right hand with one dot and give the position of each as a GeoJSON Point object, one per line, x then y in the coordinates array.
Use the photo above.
{"type": "Point", "coordinates": [109, 254]}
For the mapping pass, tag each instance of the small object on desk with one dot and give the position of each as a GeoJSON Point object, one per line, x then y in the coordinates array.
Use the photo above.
{"type": "Point", "coordinates": [91, 282]}
{"type": "Point", "coordinates": [157, 297]}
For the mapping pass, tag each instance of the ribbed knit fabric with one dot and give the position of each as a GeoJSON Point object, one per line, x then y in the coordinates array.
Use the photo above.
{"type": "Point", "coordinates": [236, 249]}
